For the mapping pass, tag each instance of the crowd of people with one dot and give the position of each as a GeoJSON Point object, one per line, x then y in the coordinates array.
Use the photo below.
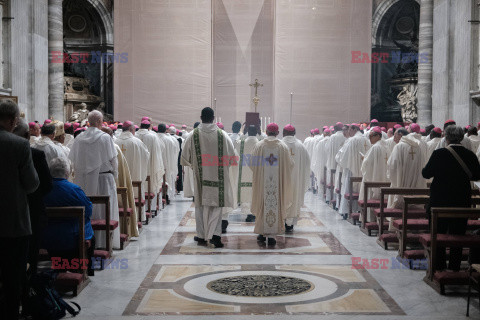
{"type": "Point", "coordinates": [405, 157]}
{"type": "Point", "coordinates": [57, 164]}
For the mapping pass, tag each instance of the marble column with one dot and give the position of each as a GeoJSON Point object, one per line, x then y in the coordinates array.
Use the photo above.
{"type": "Point", "coordinates": [424, 92]}
{"type": "Point", "coordinates": [55, 70]}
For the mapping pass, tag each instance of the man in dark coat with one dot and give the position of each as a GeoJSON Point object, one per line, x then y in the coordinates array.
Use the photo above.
{"type": "Point", "coordinates": [451, 188]}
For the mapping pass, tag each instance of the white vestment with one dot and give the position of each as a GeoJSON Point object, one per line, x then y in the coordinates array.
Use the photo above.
{"type": "Point", "coordinates": [68, 139]}
{"type": "Point", "coordinates": [374, 169]}
{"type": "Point", "coordinates": [332, 147]}
{"type": "Point", "coordinates": [320, 156]}
{"type": "Point", "coordinates": [188, 183]}
{"type": "Point", "coordinates": [300, 177]}
{"type": "Point", "coordinates": [423, 146]}
{"type": "Point", "coordinates": [137, 156]}
{"type": "Point", "coordinates": [390, 144]}
{"type": "Point", "coordinates": [34, 139]}
{"type": "Point", "coordinates": [156, 168]}
{"type": "Point", "coordinates": [405, 168]}
{"type": "Point", "coordinates": [244, 148]}
{"type": "Point", "coordinates": [465, 142]}
{"type": "Point", "coordinates": [209, 151]}
{"type": "Point", "coordinates": [171, 168]}
{"type": "Point", "coordinates": [94, 159]}
{"type": "Point", "coordinates": [475, 141]}
{"type": "Point", "coordinates": [350, 159]}
{"type": "Point", "coordinates": [431, 146]}
{"type": "Point", "coordinates": [51, 150]}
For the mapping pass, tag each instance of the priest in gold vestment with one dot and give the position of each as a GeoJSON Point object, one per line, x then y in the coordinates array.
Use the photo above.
{"type": "Point", "coordinates": [272, 167]}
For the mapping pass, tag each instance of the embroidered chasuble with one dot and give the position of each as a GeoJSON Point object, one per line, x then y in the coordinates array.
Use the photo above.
{"type": "Point", "coordinates": [210, 152]}
{"type": "Point", "coordinates": [272, 194]}
{"type": "Point", "coordinates": [244, 148]}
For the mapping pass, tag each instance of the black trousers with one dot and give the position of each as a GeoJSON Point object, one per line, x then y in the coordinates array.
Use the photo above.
{"type": "Point", "coordinates": [454, 227]}
{"type": "Point", "coordinates": [13, 265]}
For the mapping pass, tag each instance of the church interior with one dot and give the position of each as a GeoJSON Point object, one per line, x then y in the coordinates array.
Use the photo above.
{"type": "Point", "coordinates": [364, 245]}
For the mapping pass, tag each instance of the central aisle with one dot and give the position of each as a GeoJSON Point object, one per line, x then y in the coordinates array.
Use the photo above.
{"type": "Point", "coordinates": [309, 273]}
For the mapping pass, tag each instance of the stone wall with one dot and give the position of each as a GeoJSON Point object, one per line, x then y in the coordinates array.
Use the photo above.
{"type": "Point", "coordinates": [453, 66]}
{"type": "Point", "coordinates": [28, 63]}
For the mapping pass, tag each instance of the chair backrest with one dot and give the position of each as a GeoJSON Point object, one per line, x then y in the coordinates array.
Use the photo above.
{"type": "Point", "coordinates": [72, 213]}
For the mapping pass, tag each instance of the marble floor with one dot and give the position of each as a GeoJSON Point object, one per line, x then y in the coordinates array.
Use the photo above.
{"type": "Point", "coordinates": [308, 275]}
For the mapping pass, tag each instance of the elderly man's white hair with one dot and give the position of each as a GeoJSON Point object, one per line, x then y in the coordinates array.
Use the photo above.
{"type": "Point", "coordinates": [60, 168]}
{"type": "Point", "coordinates": [172, 130]}
{"type": "Point", "coordinates": [95, 117]}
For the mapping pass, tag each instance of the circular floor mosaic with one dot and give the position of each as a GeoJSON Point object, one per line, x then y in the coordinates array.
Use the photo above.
{"type": "Point", "coordinates": [260, 286]}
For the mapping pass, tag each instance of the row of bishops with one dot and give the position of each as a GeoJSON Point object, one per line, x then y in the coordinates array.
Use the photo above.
{"type": "Point", "coordinates": [105, 157]}
{"type": "Point", "coordinates": [396, 155]}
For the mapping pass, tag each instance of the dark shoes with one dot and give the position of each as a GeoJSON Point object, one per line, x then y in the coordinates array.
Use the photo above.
{"type": "Point", "coordinates": [250, 218]}
{"type": "Point", "coordinates": [288, 229]}
{"type": "Point", "coordinates": [200, 241]}
{"type": "Point", "coordinates": [224, 226]}
{"type": "Point", "coordinates": [217, 242]}
{"type": "Point", "coordinates": [271, 241]}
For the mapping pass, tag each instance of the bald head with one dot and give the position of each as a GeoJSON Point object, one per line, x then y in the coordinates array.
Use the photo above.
{"type": "Point", "coordinates": [95, 118]}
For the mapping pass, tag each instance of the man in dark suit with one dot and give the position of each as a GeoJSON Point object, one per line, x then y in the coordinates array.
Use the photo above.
{"type": "Point", "coordinates": [451, 188]}
{"type": "Point", "coordinates": [18, 178]}
{"type": "Point", "coordinates": [35, 200]}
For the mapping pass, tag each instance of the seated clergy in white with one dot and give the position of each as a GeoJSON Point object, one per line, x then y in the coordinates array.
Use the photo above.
{"type": "Point", "coordinates": [209, 152]}
{"type": "Point", "coordinates": [137, 156]}
{"type": "Point", "coordinates": [405, 167]}
{"type": "Point", "coordinates": [95, 164]}
{"type": "Point", "coordinates": [272, 193]}
{"type": "Point", "coordinates": [300, 175]}
{"type": "Point", "coordinates": [244, 148]}
{"type": "Point", "coordinates": [374, 167]}
{"type": "Point", "coordinates": [46, 144]}
{"type": "Point", "coordinates": [156, 168]}
{"type": "Point", "coordinates": [465, 142]}
{"type": "Point", "coordinates": [350, 159]}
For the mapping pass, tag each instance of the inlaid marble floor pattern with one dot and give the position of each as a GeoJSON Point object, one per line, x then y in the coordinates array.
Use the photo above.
{"type": "Point", "coordinates": [308, 274]}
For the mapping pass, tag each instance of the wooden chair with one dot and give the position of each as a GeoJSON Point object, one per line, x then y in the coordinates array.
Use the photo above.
{"type": "Point", "coordinates": [474, 282]}
{"type": "Point", "coordinates": [139, 203]}
{"type": "Point", "coordinates": [365, 203]}
{"type": "Point", "coordinates": [385, 238]}
{"type": "Point", "coordinates": [439, 279]}
{"type": "Point", "coordinates": [352, 196]}
{"type": "Point", "coordinates": [72, 281]}
{"type": "Point", "coordinates": [125, 214]}
{"type": "Point", "coordinates": [409, 230]}
{"type": "Point", "coordinates": [108, 225]}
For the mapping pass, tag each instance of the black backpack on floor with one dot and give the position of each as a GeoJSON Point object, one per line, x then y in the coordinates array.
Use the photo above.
{"type": "Point", "coordinates": [43, 302]}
